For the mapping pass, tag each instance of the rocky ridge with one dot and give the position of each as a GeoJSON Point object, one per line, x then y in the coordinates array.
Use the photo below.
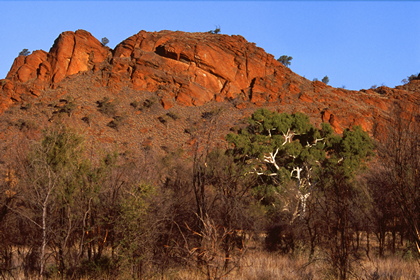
{"type": "Point", "coordinates": [194, 69]}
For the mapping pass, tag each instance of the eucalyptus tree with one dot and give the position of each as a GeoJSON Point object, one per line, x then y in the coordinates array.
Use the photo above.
{"type": "Point", "coordinates": [296, 162]}
{"type": "Point", "coordinates": [280, 147]}
{"type": "Point", "coordinates": [283, 148]}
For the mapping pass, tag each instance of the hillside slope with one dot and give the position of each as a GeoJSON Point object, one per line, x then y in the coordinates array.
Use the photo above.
{"type": "Point", "coordinates": [164, 90]}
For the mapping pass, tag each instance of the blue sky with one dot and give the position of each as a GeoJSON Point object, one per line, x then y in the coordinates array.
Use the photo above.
{"type": "Point", "coordinates": [357, 44]}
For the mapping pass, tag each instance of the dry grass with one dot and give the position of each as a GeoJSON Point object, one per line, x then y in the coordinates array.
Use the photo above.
{"type": "Point", "coordinates": [267, 266]}
{"type": "Point", "coordinates": [261, 265]}
{"type": "Point", "coordinates": [391, 268]}
{"type": "Point", "coordinates": [270, 266]}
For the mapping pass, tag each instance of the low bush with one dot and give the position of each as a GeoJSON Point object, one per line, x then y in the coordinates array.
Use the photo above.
{"type": "Point", "coordinates": [106, 107]}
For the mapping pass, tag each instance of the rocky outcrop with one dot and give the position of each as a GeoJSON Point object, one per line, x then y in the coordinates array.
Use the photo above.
{"type": "Point", "coordinates": [195, 68]}
{"type": "Point", "coordinates": [192, 69]}
{"type": "Point", "coordinates": [72, 52]}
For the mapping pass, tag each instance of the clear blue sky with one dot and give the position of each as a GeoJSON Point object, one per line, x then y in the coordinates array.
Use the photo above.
{"type": "Point", "coordinates": [356, 43]}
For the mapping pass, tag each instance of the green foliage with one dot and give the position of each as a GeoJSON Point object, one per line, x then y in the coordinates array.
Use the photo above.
{"type": "Point", "coordinates": [350, 152]}
{"type": "Point", "coordinates": [66, 106]}
{"type": "Point", "coordinates": [61, 148]}
{"type": "Point", "coordinates": [135, 104]}
{"type": "Point", "coordinates": [116, 122]}
{"type": "Point", "coordinates": [266, 132]}
{"type": "Point", "coordinates": [149, 102]}
{"type": "Point", "coordinates": [25, 124]}
{"type": "Point", "coordinates": [280, 147]}
{"type": "Point", "coordinates": [325, 80]}
{"type": "Point", "coordinates": [90, 269]}
{"type": "Point", "coordinates": [104, 41]}
{"type": "Point", "coordinates": [285, 60]}
{"type": "Point", "coordinates": [24, 52]}
{"type": "Point", "coordinates": [58, 183]}
{"type": "Point", "coordinates": [106, 107]}
{"type": "Point", "coordinates": [133, 226]}
{"type": "Point", "coordinates": [172, 115]}
{"type": "Point", "coordinates": [86, 119]}
{"type": "Point", "coordinates": [146, 104]}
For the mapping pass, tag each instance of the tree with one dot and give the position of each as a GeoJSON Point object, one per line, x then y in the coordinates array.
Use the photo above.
{"type": "Point", "coordinates": [104, 41]}
{"type": "Point", "coordinates": [411, 78]}
{"type": "Point", "coordinates": [58, 188]}
{"type": "Point", "coordinates": [135, 229]}
{"type": "Point", "coordinates": [305, 172]}
{"type": "Point", "coordinates": [211, 207]}
{"type": "Point", "coordinates": [400, 158]}
{"type": "Point", "coordinates": [283, 148]}
{"type": "Point", "coordinates": [217, 30]}
{"type": "Point", "coordinates": [24, 52]}
{"type": "Point", "coordinates": [325, 80]}
{"type": "Point", "coordinates": [341, 206]}
{"type": "Point", "coordinates": [10, 229]}
{"type": "Point", "coordinates": [50, 171]}
{"type": "Point", "coordinates": [285, 60]}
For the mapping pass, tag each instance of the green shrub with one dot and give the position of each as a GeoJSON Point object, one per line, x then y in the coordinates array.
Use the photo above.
{"type": "Point", "coordinates": [25, 124]}
{"type": "Point", "coordinates": [149, 103]}
{"type": "Point", "coordinates": [163, 119]}
{"type": "Point", "coordinates": [86, 120]}
{"type": "Point", "coordinates": [104, 41]}
{"type": "Point", "coordinates": [285, 60]}
{"type": "Point", "coordinates": [24, 52]}
{"type": "Point", "coordinates": [68, 108]}
{"type": "Point", "coordinates": [215, 31]}
{"type": "Point", "coordinates": [106, 107]}
{"type": "Point", "coordinates": [116, 122]}
{"type": "Point", "coordinates": [26, 106]}
{"type": "Point", "coordinates": [414, 77]}
{"type": "Point", "coordinates": [96, 268]}
{"type": "Point", "coordinates": [172, 115]}
{"type": "Point", "coordinates": [135, 104]}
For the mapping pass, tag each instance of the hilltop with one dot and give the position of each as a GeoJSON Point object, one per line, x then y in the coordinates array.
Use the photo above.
{"type": "Point", "coordinates": [164, 90]}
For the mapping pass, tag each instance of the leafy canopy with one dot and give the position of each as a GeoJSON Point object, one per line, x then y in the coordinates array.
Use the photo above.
{"type": "Point", "coordinates": [280, 147]}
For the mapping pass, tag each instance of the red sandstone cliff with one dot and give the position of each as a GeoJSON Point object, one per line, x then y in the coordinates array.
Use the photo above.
{"type": "Point", "coordinates": [192, 69]}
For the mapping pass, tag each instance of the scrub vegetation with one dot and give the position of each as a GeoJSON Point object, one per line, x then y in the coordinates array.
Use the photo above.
{"type": "Point", "coordinates": [285, 200]}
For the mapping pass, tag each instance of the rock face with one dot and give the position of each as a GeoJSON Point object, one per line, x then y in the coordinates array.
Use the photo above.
{"type": "Point", "coordinates": [192, 69]}
{"type": "Point", "coordinates": [197, 68]}
{"type": "Point", "coordinates": [71, 53]}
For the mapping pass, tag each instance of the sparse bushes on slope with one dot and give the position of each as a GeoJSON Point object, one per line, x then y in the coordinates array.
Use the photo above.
{"type": "Point", "coordinates": [107, 107]}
